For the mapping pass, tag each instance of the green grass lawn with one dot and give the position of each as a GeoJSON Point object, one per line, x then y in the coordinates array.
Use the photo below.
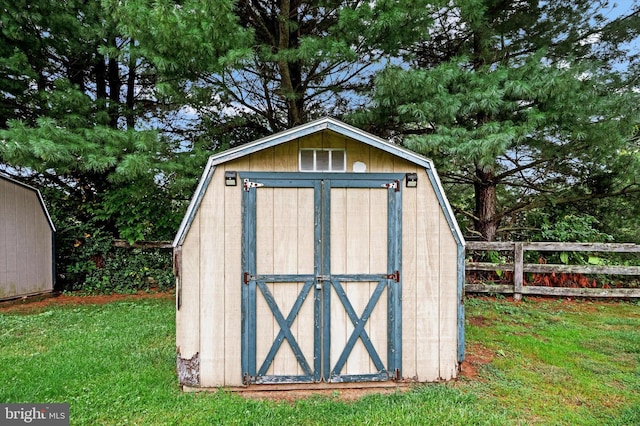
{"type": "Point", "coordinates": [543, 362]}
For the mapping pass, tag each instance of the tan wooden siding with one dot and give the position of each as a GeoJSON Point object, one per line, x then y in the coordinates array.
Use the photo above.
{"type": "Point", "coordinates": [188, 314]}
{"type": "Point", "coordinates": [232, 289]}
{"type": "Point", "coordinates": [448, 302]}
{"type": "Point", "coordinates": [212, 285]}
{"type": "Point", "coordinates": [285, 245]}
{"type": "Point", "coordinates": [427, 297]}
{"type": "Point", "coordinates": [26, 257]}
{"type": "Point", "coordinates": [410, 273]}
{"type": "Point", "coordinates": [209, 321]}
{"type": "Point", "coordinates": [9, 279]}
{"type": "Point", "coordinates": [358, 246]}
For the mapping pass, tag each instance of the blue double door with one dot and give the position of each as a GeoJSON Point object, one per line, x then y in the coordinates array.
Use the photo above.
{"type": "Point", "coordinates": [321, 277]}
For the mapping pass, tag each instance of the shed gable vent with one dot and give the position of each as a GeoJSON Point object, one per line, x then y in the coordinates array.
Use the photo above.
{"type": "Point", "coordinates": [322, 160]}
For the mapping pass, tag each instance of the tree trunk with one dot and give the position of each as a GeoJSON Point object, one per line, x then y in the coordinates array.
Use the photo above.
{"type": "Point", "coordinates": [289, 72]}
{"type": "Point", "coordinates": [131, 82]}
{"type": "Point", "coordinates": [100, 70]}
{"type": "Point", "coordinates": [486, 222]}
{"type": "Point", "coordinates": [113, 72]}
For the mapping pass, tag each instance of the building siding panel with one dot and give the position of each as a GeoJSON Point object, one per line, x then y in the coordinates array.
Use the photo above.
{"type": "Point", "coordinates": [26, 242]}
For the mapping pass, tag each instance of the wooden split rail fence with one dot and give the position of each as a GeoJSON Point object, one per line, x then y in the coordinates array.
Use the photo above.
{"type": "Point", "coordinates": [519, 268]}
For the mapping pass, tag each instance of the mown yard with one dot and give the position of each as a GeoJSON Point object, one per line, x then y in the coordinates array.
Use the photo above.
{"type": "Point", "coordinates": [541, 361]}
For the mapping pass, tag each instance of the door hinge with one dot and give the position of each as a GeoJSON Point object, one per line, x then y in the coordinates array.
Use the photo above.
{"type": "Point", "coordinates": [247, 184]}
{"type": "Point", "coordinates": [247, 277]}
{"type": "Point", "coordinates": [395, 375]}
{"type": "Point", "coordinates": [392, 185]}
{"type": "Point", "coordinates": [395, 276]}
{"type": "Point", "coordinates": [247, 379]}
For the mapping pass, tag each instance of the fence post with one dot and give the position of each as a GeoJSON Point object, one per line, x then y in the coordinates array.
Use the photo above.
{"type": "Point", "coordinates": [518, 270]}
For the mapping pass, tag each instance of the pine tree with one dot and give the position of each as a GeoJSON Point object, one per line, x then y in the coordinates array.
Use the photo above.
{"type": "Point", "coordinates": [524, 103]}
{"type": "Point", "coordinates": [253, 67]}
{"type": "Point", "coordinates": [78, 115]}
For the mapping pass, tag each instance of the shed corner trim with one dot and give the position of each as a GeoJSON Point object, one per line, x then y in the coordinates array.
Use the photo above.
{"type": "Point", "coordinates": [194, 204]}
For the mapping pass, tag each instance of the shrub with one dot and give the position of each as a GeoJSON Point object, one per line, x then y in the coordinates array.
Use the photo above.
{"type": "Point", "coordinates": [91, 264]}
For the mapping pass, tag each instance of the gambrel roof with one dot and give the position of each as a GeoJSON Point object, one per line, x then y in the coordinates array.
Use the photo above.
{"type": "Point", "coordinates": [38, 195]}
{"type": "Point", "coordinates": [315, 126]}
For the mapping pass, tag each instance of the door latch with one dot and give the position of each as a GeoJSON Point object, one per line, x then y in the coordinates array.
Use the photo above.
{"type": "Point", "coordinates": [320, 279]}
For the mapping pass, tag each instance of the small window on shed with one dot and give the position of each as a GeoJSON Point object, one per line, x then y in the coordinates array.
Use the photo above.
{"type": "Point", "coordinates": [322, 160]}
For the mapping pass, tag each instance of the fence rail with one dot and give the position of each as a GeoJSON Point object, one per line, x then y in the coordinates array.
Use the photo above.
{"type": "Point", "coordinates": [143, 244]}
{"type": "Point", "coordinates": [518, 268]}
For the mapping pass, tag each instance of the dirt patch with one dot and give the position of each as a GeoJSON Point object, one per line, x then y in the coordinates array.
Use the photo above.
{"type": "Point", "coordinates": [479, 321]}
{"type": "Point", "coordinates": [39, 303]}
{"type": "Point", "coordinates": [346, 394]}
{"type": "Point", "coordinates": [476, 356]}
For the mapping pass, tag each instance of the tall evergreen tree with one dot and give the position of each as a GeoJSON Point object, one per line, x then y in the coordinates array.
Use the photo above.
{"type": "Point", "coordinates": [292, 61]}
{"type": "Point", "coordinates": [79, 114]}
{"type": "Point", "coordinates": [525, 103]}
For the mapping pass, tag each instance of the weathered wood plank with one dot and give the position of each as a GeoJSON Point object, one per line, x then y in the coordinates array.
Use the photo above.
{"type": "Point", "coordinates": [22, 254]}
{"type": "Point", "coordinates": [555, 246]}
{"type": "Point", "coordinates": [143, 244]}
{"type": "Point", "coordinates": [262, 161]}
{"type": "Point", "coordinates": [427, 315]}
{"type": "Point", "coordinates": [332, 140]}
{"type": "Point", "coordinates": [31, 240]}
{"type": "Point", "coordinates": [44, 271]}
{"type": "Point", "coordinates": [285, 261]}
{"type": "Point", "coordinates": [286, 157]}
{"type": "Point", "coordinates": [338, 237]}
{"type": "Point", "coordinates": [488, 288]}
{"type": "Point", "coordinates": [550, 268]}
{"type": "Point", "coordinates": [358, 255]}
{"type": "Point", "coordinates": [598, 247]}
{"type": "Point", "coordinates": [484, 245]}
{"type": "Point", "coordinates": [357, 152]}
{"type": "Point", "coordinates": [5, 226]}
{"type": "Point", "coordinates": [410, 218]}
{"type": "Point", "coordinates": [232, 279]}
{"type": "Point", "coordinates": [448, 256]}
{"type": "Point", "coordinates": [517, 270]}
{"type": "Point", "coordinates": [380, 161]}
{"type": "Point", "coordinates": [266, 326]}
{"type": "Point", "coordinates": [555, 291]}
{"type": "Point", "coordinates": [188, 316]}
{"type": "Point", "coordinates": [314, 140]}
{"type": "Point", "coordinates": [305, 249]}
{"type": "Point", "coordinates": [582, 269]}
{"type": "Point", "coordinates": [485, 266]}
{"type": "Point", "coordinates": [377, 324]}
{"type": "Point", "coordinates": [581, 292]}
{"type": "Point", "coordinates": [212, 288]}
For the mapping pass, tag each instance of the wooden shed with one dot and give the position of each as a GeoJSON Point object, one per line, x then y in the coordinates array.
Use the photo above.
{"type": "Point", "coordinates": [318, 254]}
{"type": "Point", "coordinates": [26, 241]}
